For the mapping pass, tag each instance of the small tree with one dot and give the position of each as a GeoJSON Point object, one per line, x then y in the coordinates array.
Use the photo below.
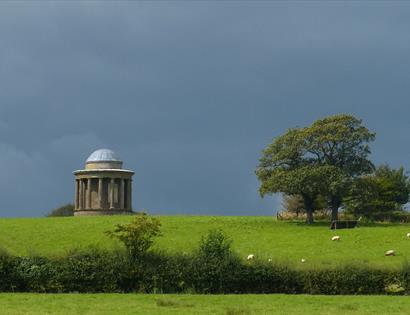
{"type": "Point", "coordinates": [384, 191]}
{"type": "Point", "coordinates": [137, 236]}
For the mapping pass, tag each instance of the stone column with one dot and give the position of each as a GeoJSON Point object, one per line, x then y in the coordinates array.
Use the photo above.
{"type": "Point", "coordinates": [129, 194]}
{"type": "Point", "coordinates": [122, 195]}
{"type": "Point", "coordinates": [100, 193]}
{"type": "Point", "coordinates": [112, 193]}
{"type": "Point", "coordinates": [76, 194]}
{"type": "Point", "coordinates": [81, 197]}
{"type": "Point", "coordinates": [88, 193]}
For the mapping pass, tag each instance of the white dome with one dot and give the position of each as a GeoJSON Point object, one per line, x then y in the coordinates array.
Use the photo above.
{"type": "Point", "coordinates": [103, 155]}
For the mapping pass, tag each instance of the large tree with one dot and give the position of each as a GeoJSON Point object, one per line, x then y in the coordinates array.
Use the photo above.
{"type": "Point", "coordinates": [322, 159]}
{"type": "Point", "coordinates": [285, 167]}
{"type": "Point", "coordinates": [340, 141]}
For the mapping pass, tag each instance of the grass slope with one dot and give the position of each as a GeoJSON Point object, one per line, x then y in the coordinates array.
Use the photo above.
{"type": "Point", "coordinates": [262, 236]}
{"type": "Point", "coordinates": [124, 304]}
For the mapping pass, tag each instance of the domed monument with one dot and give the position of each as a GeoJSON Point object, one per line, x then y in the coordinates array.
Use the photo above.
{"type": "Point", "coordinates": [103, 187]}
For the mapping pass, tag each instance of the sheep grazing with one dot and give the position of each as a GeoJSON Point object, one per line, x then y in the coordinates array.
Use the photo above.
{"type": "Point", "coordinates": [408, 235]}
{"type": "Point", "coordinates": [303, 260]}
{"type": "Point", "coordinates": [390, 253]}
{"type": "Point", "coordinates": [251, 257]}
{"type": "Point", "coordinates": [336, 238]}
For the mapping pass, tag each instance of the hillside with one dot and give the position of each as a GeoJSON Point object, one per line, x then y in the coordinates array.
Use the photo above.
{"type": "Point", "coordinates": [262, 236]}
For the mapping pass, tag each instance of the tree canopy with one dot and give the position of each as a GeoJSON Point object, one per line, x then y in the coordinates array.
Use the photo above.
{"type": "Point", "coordinates": [383, 191]}
{"type": "Point", "coordinates": [321, 159]}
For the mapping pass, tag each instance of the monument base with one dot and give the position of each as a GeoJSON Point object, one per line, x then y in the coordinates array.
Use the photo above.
{"type": "Point", "coordinates": [92, 212]}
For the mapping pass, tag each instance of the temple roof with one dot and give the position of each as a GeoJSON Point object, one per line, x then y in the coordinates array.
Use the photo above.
{"type": "Point", "coordinates": [103, 155]}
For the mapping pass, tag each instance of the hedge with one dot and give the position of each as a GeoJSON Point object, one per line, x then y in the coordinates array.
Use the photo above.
{"type": "Point", "coordinates": [96, 270]}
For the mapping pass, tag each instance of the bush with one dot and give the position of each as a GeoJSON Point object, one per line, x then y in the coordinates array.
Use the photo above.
{"type": "Point", "coordinates": [214, 267]}
{"type": "Point", "coordinates": [345, 280]}
{"type": "Point", "coordinates": [63, 211]}
{"type": "Point", "coordinates": [8, 274]}
{"type": "Point", "coordinates": [260, 277]}
{"type": "Point", "coordinates": [37, 274]}
{"type": "Point", "coordinates": [94, 270]}
{"type": "Point", "coordinates": [137, 236]}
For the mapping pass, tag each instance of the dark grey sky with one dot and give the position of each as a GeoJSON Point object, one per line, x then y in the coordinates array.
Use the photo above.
{"type": "Point", "coordinates": [189, 93]}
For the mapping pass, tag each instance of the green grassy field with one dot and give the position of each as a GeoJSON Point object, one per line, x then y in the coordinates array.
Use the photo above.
{"type": "Point", "coordinates": [124, 304]}
{"type": "Point", "coordinates": [263, 236]}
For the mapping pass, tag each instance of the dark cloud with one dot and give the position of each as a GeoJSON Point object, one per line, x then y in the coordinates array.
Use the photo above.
{"type": "Point", "coordinates": [188, 93]}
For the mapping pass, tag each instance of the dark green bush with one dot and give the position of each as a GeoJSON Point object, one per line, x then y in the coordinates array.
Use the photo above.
{"type": "Point", "coordinates": [345, 280]}
{"type": "Point", "coordinates": [214, 267]}
{"type": "Point", "coordinates": [63, 211]}
{"type": "Point", "coordinates": [8, 273]}
{"type": "Point", "coordinates": [94, 270]}
{"type": "Point", "coordinates": [37, 274]}
{"type": "Point", "coordinates": [258, 277]}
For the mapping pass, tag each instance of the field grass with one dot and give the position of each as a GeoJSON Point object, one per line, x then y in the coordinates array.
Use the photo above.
{"type": "Point", "coordinates": [263, 236]}
{"type": "Point", "coordinates": [124, 304]}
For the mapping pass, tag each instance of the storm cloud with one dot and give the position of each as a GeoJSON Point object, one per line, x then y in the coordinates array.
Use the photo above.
{"type": "Point", "coordinates": [188, 94]}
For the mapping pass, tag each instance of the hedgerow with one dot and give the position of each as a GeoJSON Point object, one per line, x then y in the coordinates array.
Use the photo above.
{"type": "Point", "coordinates": [95, 270]}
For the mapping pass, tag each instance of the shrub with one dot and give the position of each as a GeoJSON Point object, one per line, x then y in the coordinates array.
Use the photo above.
{"type": "Point", "coordinates": [8, 273]}
{"type": "Point", "coordinates": [260, 277]}
{"type": "Point", "coordinates": [63, 211]}
{"type": "Point", "coordinates": [214, 267]}
{"type": "Point", "coordinates": [37, 274]}
{"type": "Point", "coordinates": [137, 236]}
{"type": "Point", "coordinates": [345, 280]}
{"type": "Point", "coordinates": [94, 270]}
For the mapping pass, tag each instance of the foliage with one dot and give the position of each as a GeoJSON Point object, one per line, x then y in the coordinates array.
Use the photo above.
{"type": "Point", "coordinates": [63, 211]}
{"type": "Point", "coordinates": [380, 194]}
{"type": "Point", "coordinates": [321, 159]}
{"type": "Point", "coordinates": [340, 141]}
{"type": "Point", "coordinates": [214, 266]}
{"type": "Point", "coordinates": [93, 270]}
{"type": "Point", "coordinates": [137, 236]}
{"type": "Point", "coordinates": [215, 245]}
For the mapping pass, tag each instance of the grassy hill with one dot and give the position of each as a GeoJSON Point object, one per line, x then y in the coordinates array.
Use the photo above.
{"type": "Point", "coordinates": [263, 236]}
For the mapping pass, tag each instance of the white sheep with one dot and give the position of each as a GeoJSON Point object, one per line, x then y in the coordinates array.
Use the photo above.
{"type": "Point", "coordinates": [251, 257]}
{"type": "Point", "coordinates": [408, 235]}
{"type": "Point", "coordinates": [336, 238]}
{"type": "Point", "coordinates": [390, 253]}
{"type": "Point", "coordinates": [303, 260]}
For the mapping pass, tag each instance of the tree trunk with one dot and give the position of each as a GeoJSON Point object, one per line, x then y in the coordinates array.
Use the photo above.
{"type": "Point", "coordinates": [335, 213]}
{"type": "Point", "coordinates": [309, 209]}
{"type": "Point", "coordinates": [334, 206]}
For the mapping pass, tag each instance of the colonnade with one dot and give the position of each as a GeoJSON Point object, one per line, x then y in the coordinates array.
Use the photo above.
{"type": "Point", "coordinates": [103, 193]}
